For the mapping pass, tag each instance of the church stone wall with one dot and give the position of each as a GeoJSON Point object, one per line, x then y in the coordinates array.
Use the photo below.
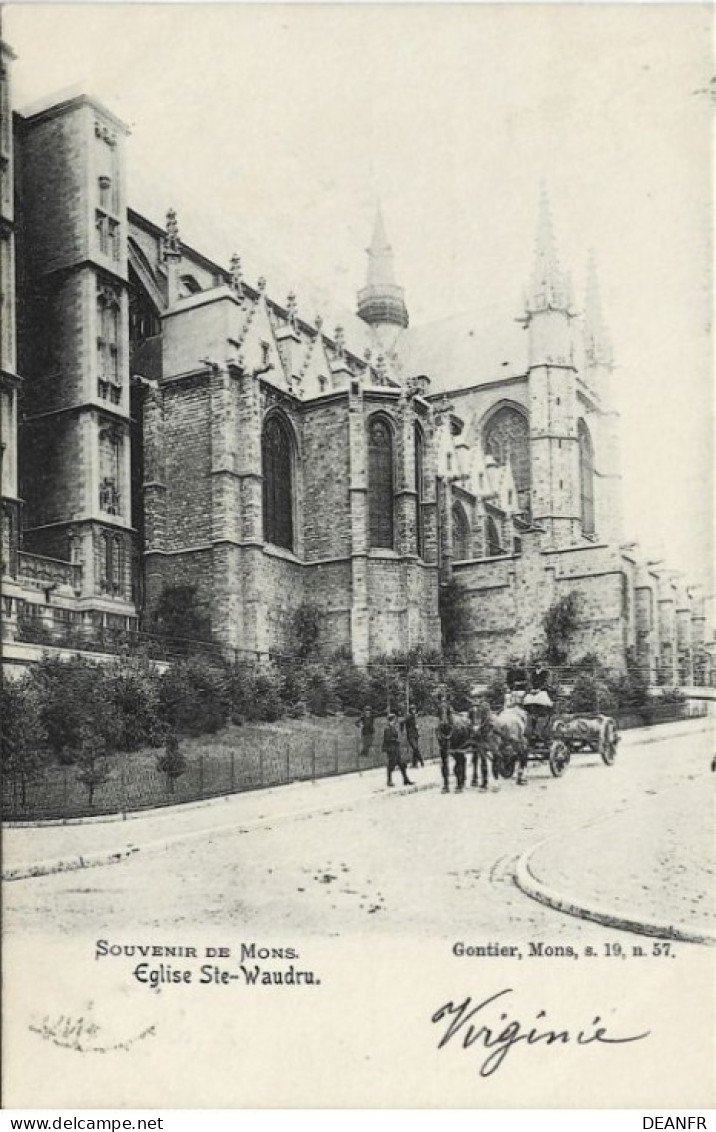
{"type": "Point", "coordinates": [187, 463]}
{"type": "Point", "coordinates": [508, 598]}
{"type": "Point", "coordinates": [325, 459]}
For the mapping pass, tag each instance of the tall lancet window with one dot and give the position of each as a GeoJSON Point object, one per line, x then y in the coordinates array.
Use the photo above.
{"type": "Point", "coordinates": [277, 470]}
{"type": "Point", "coordinates": [419, 474]}
{"type": "Point", "coordinates": [507, 439]}
{"type": "Point", "coordinates": [380, 483]}
{"type": "Point", "coordinates": [460, 533]}
{"type": "Point", "coordinates": [494, 542]}
{"type": "Point", "coordinates": [586, 477]}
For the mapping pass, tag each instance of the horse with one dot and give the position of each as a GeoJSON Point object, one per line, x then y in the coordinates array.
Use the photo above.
{"type": "Point", "coordinates": [461, 732]}
{"type": "Point", "coordinates": [507, 730]}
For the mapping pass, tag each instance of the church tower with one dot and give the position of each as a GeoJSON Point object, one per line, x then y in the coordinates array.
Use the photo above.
{"type": "Point", "coordinates": [554, 435]}
{"type": "Point", "coordinates": [381, 303]}
{"type": "Point", "coordinates": [599, 368]}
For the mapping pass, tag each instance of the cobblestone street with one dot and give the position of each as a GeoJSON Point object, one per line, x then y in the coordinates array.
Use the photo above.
{"type": "Point", "coordinates": [411, 862]}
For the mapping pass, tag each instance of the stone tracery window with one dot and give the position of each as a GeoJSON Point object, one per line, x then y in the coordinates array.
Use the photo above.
{"type": "Point", "coordinates": [381, 483]}
{"type": "Point", "coordinates": [460, 533]}
{"type": "Point", "coordinates": [419, 475]}
{"type": "Point", "coordinates": [506, 437]}
{"type": "Point", "coordinates": [586, 478]}
{"type": "Point", "coordinates": [277, 470]}
{"type": "Point", "coordinates": [110, 470]}
{"type": "Point", "coordinates": [494, 542]}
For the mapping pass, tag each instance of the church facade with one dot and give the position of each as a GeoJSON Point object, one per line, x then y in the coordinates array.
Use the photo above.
{"type": "Point", "coordinates": [168, 422]}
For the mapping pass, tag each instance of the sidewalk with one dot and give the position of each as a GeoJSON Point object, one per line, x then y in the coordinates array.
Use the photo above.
{"type": "Point", "coordinates": [41, 849]}
{"type": "Point", "coordinates": [636, 871]}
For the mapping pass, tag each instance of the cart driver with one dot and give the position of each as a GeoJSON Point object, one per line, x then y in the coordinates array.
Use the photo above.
{"type": "Point", "coordinates": [539, 702]}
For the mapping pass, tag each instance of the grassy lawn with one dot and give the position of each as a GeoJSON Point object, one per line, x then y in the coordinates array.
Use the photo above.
{"type": "Point", "coordinates": [249, 757]}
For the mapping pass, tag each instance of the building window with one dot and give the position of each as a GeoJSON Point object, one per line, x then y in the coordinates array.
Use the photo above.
{"type": "Point", "coordinates": [112, 563]}
{"type": "Point", "coordinates": [102, 229]}
{"type": "Point", "coordinates": [419, 477]}
{"type": "Point", "coordinates": [105, 193]}
{"type": "Point", "coordinates": [277, 470]}
{"type": "Point", "coordinates": [507, 438]}
{"type": "Point", "coordinates": [109, 382]}
{"type": "Point", "coordinates": [460, 533]}
{"type": "Point", "coordinates": [586, 478]}
{"type": "Point", "coordinates": [381, 481]}
{"type": "Point", "coordinates": [110, 458]}
{"type": "Point", "coordinates": [494, 543]}
{"type": "Point", "coordinates": [188, 286]}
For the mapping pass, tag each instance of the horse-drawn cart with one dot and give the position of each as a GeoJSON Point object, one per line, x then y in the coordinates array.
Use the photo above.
{"type": "Point", "coordinates": [556, 738]}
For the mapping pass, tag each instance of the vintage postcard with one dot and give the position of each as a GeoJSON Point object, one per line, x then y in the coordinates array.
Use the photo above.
{"type": "Point", "coordinates": [357, 501]}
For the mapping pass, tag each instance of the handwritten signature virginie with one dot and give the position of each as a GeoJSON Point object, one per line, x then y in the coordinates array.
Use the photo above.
{"type": "Point", "coordinates": [485, 1028]}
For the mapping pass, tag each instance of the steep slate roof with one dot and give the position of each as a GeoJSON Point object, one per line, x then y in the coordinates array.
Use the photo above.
{"type": "Point", "coordinates": [465, 350]}
{"type": "Point", "coordinates": [218, 240]}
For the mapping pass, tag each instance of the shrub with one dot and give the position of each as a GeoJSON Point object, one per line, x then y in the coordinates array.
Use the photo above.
{"type": "Point", "coordinates": [352, 685]}
{"type": "Point", "coordinates": [560, 624]}
{"type": "Point", "coordinates": [179, 615]}
{"type": "Point", "coordinates": [591, 693]}
{"type": "Point", "coordinates": [321, 696]}
{"type": "Point", "coordinates": [306, 629]}
{"type": "Point", "coordinates": [423, 685]}
{"type": "Point", "coordinates": [95, 747]}
{"type": "Point", "coordinates": [195, 696]}
{"type": "Point", "coordinates": [75, 702]}
{"type": "Point", "coordinates": [454, 609]}
{"type": "Point", "coordinates": [24, 736]}
{"type": "Point", "coordinates": [257, 693]}
{"type": "Point", "coordinates": [133, 687]}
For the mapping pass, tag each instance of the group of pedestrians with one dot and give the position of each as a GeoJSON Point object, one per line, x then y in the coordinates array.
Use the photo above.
{"type": "Point", "coordinates": [407, 724]}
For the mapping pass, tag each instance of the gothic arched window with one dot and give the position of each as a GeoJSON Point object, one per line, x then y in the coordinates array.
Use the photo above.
{"type": "Point", "coordinates": [586, 478]}
{"type": "Point", "coordinates": [494, 543]}
{"type": "Point", "coordinates": [380, 483]}
{"type": "Point", "coordinates": [419, 472]}
{"type": "Point", "coordinates": [507, 438]}
{"type": "Point", "coordinates": [277, 470]}
{"type": "Point", "coordinates": [460, 533]}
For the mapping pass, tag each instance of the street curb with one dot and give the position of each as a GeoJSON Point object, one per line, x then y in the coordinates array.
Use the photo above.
{"type": "Point", "coordinates": [528, 883]}
{"type": "Point", "coordinates": [114, 856]}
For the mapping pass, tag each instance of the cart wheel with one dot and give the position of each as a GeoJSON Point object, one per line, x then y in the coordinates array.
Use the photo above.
{"type": "Point", "coordinates": [558, 757]}
{"type": "Point", "coordinates": [506, 764]}
{"type": "Point", "coordinates": [608, 747]}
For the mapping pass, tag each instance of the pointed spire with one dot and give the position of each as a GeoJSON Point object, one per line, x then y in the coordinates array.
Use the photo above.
{"type": "Point", "coordinates": [381, 301]}
{"type": "Point", "coordinates": [596, 338]}
{"type": "Point", "coordinates": [550, 288]}
{"type": "Point", "coordinates": [380, 256]}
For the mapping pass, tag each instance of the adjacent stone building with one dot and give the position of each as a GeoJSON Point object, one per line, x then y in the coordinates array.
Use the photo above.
{"type": "Point", "coordinates": [179, 424]}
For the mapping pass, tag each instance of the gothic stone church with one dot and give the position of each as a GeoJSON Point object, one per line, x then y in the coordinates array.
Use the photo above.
{"type": "Point", "coordinates": [167, 421]}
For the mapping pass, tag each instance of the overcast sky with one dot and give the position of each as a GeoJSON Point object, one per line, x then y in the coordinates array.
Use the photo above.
{"type": "Point", "coordinates": [288, 122]}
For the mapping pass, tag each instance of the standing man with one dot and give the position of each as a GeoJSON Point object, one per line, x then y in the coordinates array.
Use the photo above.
{"type": "Point", "coordinates": [367, 731]}
{"type": "Point", "coordinates": [410, 726]}
{"type": "Point", "coordinates": [391, 747]}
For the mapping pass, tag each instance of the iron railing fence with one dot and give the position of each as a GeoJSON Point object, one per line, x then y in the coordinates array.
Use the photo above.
{"type": "Point", "coordinates": [251, 757]}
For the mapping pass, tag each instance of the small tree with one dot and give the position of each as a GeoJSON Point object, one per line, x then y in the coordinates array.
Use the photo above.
{"type": "Point", "coordinates": [306, 626]}
{"type": "Point", "coordinates": [172, 762]}
{"type": "Point", "coordinates": [195, 696]}
{"type": "Point", "coordinates": [453, 606]}
{"type": "Point", "coordinates": [560, 623]}
{"type": "Point", "coordinates": [92, 761]}
{"type": "Point", "coordinates": [179, 614]}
